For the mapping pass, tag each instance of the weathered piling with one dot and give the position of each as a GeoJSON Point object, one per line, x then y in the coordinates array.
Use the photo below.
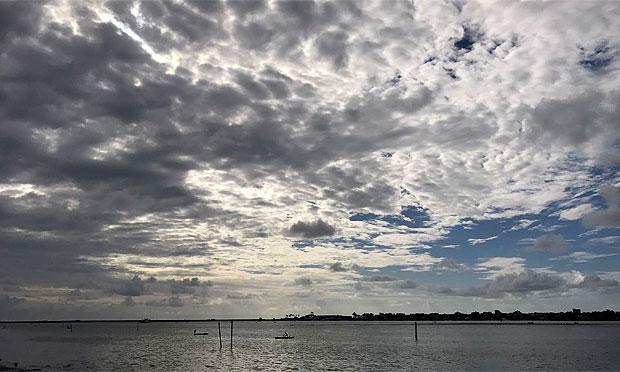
{"type": "Point", "coordinates": [219, 331]}
{"type": "Point", "coordinates": [416, 330]}
{"type": "Point", "coordinates": [231, 334]}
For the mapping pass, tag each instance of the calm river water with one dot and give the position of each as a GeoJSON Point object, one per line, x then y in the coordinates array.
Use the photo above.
{"type": "Point", "coordinates": [325, 346]}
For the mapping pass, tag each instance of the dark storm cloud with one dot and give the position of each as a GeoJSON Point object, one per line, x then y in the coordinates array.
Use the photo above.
{"type": "Point", "coordinates": [182, 20]}
{"type": "Point", "coordinates": [333, 46]}
{"type": "Point", "coordinates": [243, 8]}
{"type": "Point", "coordinates": [211, 7]}
{"type": "Point", "coordinates": [67, 97]}
{"type": "Point", "coordinates": [18, 18]}
{"type": "Point", "coordinates": [312, 229]}
{"type": "Point", "coordinates": [253, 35]}
{"type": "Point", "coordinates": [250, 85]}
{"type": "Point", "coordinates": [61, 80]}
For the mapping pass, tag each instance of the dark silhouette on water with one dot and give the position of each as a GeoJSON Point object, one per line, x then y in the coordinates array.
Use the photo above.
{"type": "Point", "coordinates": [219, 331]}
{"type": "Point", "coordinates": [284, 336]}
{"type": "Point", "coordinates": [15, 368]}
{"type": "Point", "coordinates": [200, 333]}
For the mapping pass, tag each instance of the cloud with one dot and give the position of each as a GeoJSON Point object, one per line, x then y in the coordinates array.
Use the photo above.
{"type": "Point", "coordinates": [604, 240]}
{"type": "Point", "coordinates": [304, 281]}
{"type": "Point", "coordinates": [313, 229]}
{"type": "Point", "coordinates": [18, 19]}
{"type": "Point", "coordinates": [481, 240]}
{"type": "Point", "coordinates": [408, 284]}
{"type": "Point", "coordinates": [240, 296]}
{"type": "Point", "coordinates": [337, 267]}
{"type": "Point", "coordinates": [185, 286]}
{"type": "Point", "coordinates": [175, 301]}
{"type": "Point", "coordinates": [496, 266]}
{"type": "Point", "coordinates": [450, 264]}
{"type": "Point", "coordinates": [577, 212]}
{"type": "Point", "coordinates": [180, 139]}
{"type": "Point", "coordinates": [549, 243]}
{"type": "Point", "coordinates": [575, 120]}
{"type": "Point", "coordinates": [172, 301]}
{"type": "Point", "coordinates": [333, 46]}
{"type": "Point", "coordinates": [522, 224]}
{"type": "Point", "coordinates": [129, 301]}
{"type": "Point", "coordinates": [580, 257]}
{"type": "Point", "coordinates": [378, 278]}
{"type": "Point", "coordinates": [608, 217]}
{"type": "Point", "coordinates": [132, 287]}
{"type": "Point", "coordinates": [529, 282]}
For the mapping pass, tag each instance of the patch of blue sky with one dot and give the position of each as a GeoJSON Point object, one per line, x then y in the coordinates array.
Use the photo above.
{"type": "Point", "coordinates": [409, 216]}
{"type": "Point", "coordinates": [514, 238]}
{"type": "Point", "coordinates": [609, 261]}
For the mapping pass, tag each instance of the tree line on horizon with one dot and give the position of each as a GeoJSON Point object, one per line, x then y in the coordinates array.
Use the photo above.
{"type": "Point", "coordinates": [574, 315]}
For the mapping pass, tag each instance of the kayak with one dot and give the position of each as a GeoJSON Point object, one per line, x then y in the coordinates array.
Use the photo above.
{"type": "Point", "coordinates": [284, 337]}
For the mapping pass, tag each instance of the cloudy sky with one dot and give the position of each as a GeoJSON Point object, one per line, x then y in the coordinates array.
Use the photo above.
{"type": "Point", "coordinates": [249, 158]}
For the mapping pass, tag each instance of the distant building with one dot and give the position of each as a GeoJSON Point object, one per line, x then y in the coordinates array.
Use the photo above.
{"type": "Point", "coordinates": [576, 311]}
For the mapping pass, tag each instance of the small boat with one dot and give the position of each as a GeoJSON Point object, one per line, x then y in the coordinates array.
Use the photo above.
{"type": "Point", "coordinates": [200, 333]}
{"type": "Point", "coordinates": [285, 336]}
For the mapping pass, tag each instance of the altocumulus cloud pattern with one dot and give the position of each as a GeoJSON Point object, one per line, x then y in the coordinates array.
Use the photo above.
{"type": "Point", "coordinates": [223, 158]}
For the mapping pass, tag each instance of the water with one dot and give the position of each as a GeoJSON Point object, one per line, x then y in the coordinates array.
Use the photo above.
{"type": "Point", "coordinates": [327, 346]}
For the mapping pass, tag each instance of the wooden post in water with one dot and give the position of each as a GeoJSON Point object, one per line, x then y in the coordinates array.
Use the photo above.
{"type": "Point", "coordinates": [231, 334]}
{"type": "Point", "coordinates": [416, 331]}
{"type": "Point", "coordinates": [219, 331]}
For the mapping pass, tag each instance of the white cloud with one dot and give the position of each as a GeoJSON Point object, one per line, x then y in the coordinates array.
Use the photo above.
{"type": "Point", "coordinates": [577, 212]}
{"type": "Point", "coordinates": [495, 266]}
{"type": "Point", "coordinates": [580, 257]}
{"type": "Point", "coordinates": [476, 241]}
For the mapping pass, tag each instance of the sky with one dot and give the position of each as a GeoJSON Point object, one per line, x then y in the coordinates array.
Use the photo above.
{"type": "Point", "coordinates": [263, 158]}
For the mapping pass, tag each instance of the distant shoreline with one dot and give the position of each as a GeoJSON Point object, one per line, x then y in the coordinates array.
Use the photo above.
{"type": "Point", "coordinates": [437, 322]}
{"type": "Point", "coordinates": [481, 317]}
